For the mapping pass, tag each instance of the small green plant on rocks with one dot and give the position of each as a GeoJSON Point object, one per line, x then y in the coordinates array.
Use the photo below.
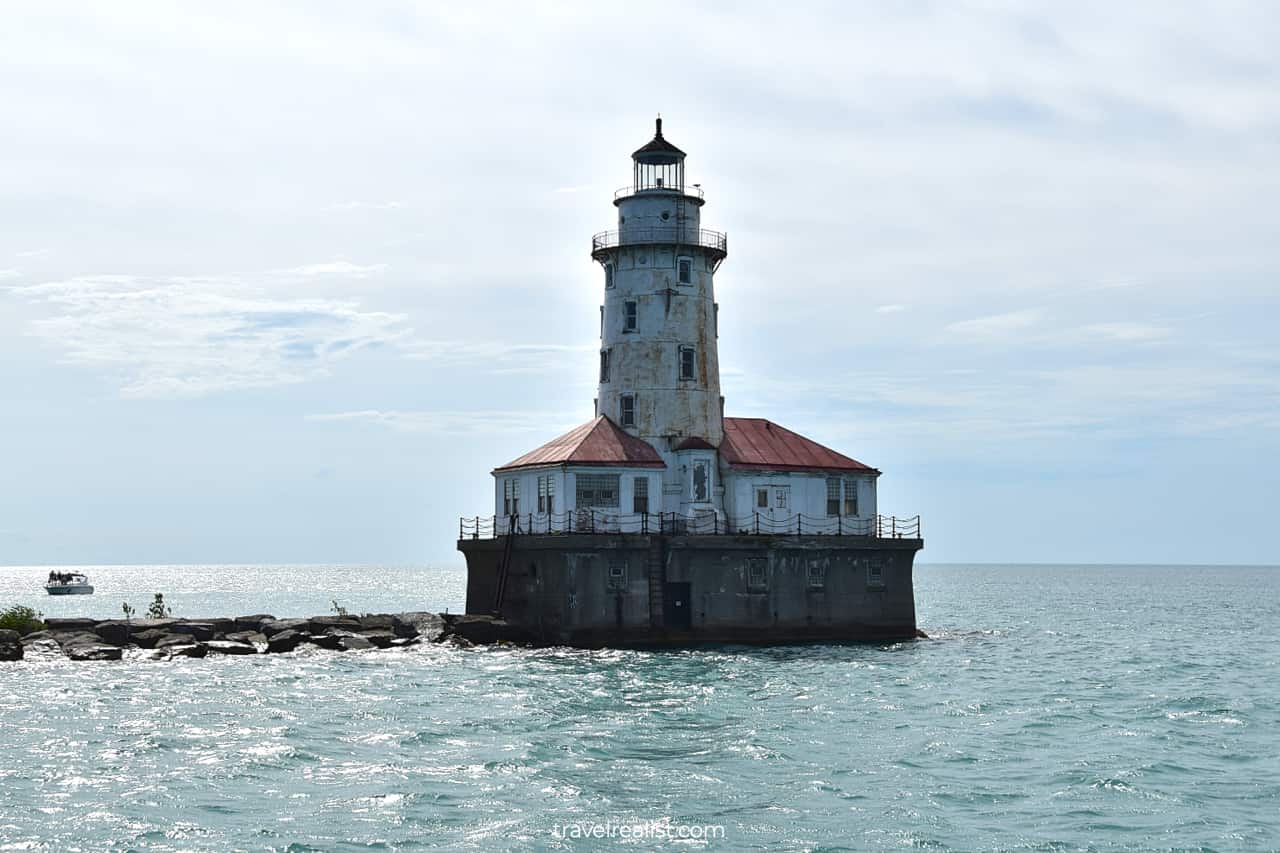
{"type": "Point", "coordinates": [158, 609]}
{"type": "Point", "coordinates": [128, 611]}
{"type": "Point", "coordinates": [22, 619]}
{"type": "Point", "coordinates": [338, 608]}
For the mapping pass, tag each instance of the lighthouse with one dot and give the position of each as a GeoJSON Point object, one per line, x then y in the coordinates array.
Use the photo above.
{"type": "Point", "coordinates": [661, 520]}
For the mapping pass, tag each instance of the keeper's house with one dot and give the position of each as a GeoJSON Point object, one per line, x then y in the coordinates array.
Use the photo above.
{"type": "Point", "coordinates": [660, 520]}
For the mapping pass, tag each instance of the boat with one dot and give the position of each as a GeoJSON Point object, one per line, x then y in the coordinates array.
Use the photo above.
{"type": "Point", "coordinates": [68, 583]}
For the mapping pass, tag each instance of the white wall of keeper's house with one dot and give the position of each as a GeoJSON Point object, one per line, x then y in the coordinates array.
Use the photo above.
{"type": "Point", "coordinates": [807, 492]}
{"type": "Point", "coordinates": [566, 492]}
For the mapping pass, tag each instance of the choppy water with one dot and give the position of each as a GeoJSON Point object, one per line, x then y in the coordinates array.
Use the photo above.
{"type": "Point", "coordinates": [1058, 708]}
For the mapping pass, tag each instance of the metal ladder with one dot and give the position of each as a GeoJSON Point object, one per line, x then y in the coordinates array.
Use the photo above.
{"type": "Point", "coordinates": [504, 568]}
{"type": "Point", "coordinates": [657, 576]}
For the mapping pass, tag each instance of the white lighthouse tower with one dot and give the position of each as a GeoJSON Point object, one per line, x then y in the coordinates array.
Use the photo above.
{"type": "Point", "coordinates": [659, 369]}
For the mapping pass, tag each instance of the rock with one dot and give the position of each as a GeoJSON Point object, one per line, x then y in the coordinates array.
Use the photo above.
{"type": "Point", "coordinates": [230, 647]}
{"type": "Point", "coordinates": [252, 623]}
{"type": "Point", "coordinates": [114, 631]}
{"type": "Point", "coordinates": [381, 639]}
{"type": "Point", "coordinates": [324, 624]}
{"type": "Point", "coordinates": [376, 622]}
{"type": "Point", "coordinates": [488, 629]}
{"type": "Point", "coordinates": [11, 647]}
{"type": "Point", "coordinates": [278, 626]}
{"type": "Point", "coordinates": [137, 625]}
{"type": "Point", "coordinates": [147, 639]}
{"type": "Point", "coordinates": [253, 638]}
{"type": "Point", "coordinates": [429, 626]}
{"type": "Point", "coordinates": [332, 642]}
{"type": "Point", "coordinates": [355, 643]}
{"type": "Point", "coordinates": [170, 641]}
{"type": "Point", "coordinates": [201, 631]}
{"type": "Point", "coordinates": [220, 626]}
{"type": "Point", "coordinates": [85, 650]}
{"type": "Point", "coordinates": [405, 641]}
{"type": "Point", "coordinates": [68, 638]}
{"type": "Point", "coordinates": [286, 641]}
{"type": "Point", "coordinates": [70, 624]}
{"type": "Point", "coordinates": [921, 635]}
{"type": "Point", "coordinates": [188, 650]}
{"type": "Point", "coordinates": [37, 637]}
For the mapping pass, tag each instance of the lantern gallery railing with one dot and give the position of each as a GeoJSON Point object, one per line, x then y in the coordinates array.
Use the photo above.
{"type": "Point", "coordinates": [594, 521]}
{"type": "Point", "coordinates": [625, 192]}
{"type": "Point", "coordinates": [713, 240]}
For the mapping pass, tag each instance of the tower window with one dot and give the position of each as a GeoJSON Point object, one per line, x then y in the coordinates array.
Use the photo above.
{"type": "Point", "coordinates": [640, 495]}
{"type": "Point", "coordinates": [715, 319]}
{"type": "Point", "coordinates": [629, 316]}
{"type": "Point", "coordinates": [608, 275]}
{"type": "Point", "coordinates": [604, 365]}
{"type": "Point", "coordinates": [684, 270]}
{"type": "Point", "coordinates": [688, 362]}
{"type": "Point", "coordinates": [627, 411]}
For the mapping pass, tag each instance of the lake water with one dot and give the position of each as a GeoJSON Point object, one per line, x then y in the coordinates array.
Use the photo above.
{"type": "Point", "coordinates": [1055, 708]}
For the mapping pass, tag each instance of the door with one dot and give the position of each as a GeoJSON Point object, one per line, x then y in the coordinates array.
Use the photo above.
{"type": "Point", "coordinates": [677, 609]}
{"type": "Point", "coordinates": [773, 507]}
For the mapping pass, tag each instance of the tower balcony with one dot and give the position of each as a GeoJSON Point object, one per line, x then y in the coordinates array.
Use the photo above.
{"type": "Point", "coordinates": [714, 243]}
{"type": "Point", "coordinates": [692, 193]}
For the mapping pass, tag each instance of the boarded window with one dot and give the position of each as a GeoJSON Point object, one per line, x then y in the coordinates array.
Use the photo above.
{"type": "Point", "coordinates": [684, 270]}
{"type": "Point", "coordinates": [598, 490]}
{"type": "Point", "coordinates": [688, 362]}
{"type": "Point", "coordinates": [627, 411]}
{"type": "Point", "coordinates": [757, 577]}
{"type": "Point", "coordinates": [851, 497]}
{"type": "Point", "coordinates": [833, 496]}
{"type": "Point", "coordinates": [604, 365]}
{"type": "Point", "coordinates": [640, 495]}
{"type": "Point", "coordinates": [701, 481]}
{"type": "Point", "coordinates": [608, 275]}
{"type": "Point", "coordinates": [629, 316]}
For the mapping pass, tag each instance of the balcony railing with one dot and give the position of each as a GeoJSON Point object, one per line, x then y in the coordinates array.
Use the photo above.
{"type": "Point", "coordinates": [594, 521]}
{"type": "Point", "coordinates": [714, 240]}
{"type": "Point", "coordinates": [624, 192]}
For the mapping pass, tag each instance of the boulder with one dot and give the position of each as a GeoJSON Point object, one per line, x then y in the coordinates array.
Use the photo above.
{"type": "Point", "coordinates": [405, 641]}
{"type": "Point", "coordinates": [114, 631]}
{"type": "Point", "coordinates": [325, 624]}
{"type": "Point", "coordinates": [381, 639]}
{"type": "Point", "coordinates": [172, 641]}
{"type": "Point", "coordinates": [147, 639]}
{"type": "Point", "coordinates": [230, 647]}
{"type": "Point", "coordinates": [11, 647]}
{"type": "Point", "coordinates": [376, 622]}
{"type": "Point", "coordinates": [252, 623]}
{"type": "Point", "coordinates": [70, 624]}
{"type": "Point", "coordinates": [67, 638]}
{"type": "Point", "coordinates": [354, 643]}
{"type": "Point", "coordinates": [136, 625]}
{"type": "Point", "coordinates": [332, 642]}
{"type": "Point", "coordinates": [188, 650]}
{"type": "Point", "coordinates": [429, 626]}
{"type": "Point", "coordinates": [278, 626]}
{"type": "Point", "coordinates": [37, 637]}
{"type": "Point", "coordinates": [488, 629]}
{"type": "Point", "coordinates": [285, 641]}
{"type": "Point", "coordinates": [201, 631]}
{"type": "Point", "coordinates": [253, 638]}
{"type": "Point", "coordinates": [87, 650]}
{"type": "Point", "coordinates": [220, 626]}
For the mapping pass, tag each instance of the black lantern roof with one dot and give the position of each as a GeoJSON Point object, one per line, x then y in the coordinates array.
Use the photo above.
{"type": "Point", "coordinates": [658, 151]}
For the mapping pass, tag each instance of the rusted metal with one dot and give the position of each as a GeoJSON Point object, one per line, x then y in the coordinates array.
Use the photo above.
{"type": "Point", "coordinates": [597, 442]}
{"type": "Point", "coordinates": [757, 443]}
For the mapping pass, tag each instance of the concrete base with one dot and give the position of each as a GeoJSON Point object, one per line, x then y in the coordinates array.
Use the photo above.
{"type": "Point", "coordinates": [650, 590]}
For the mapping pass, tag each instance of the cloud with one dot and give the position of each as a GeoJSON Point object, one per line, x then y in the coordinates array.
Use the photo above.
{"type": "Point", "coordinates": [33, 253]}
{"type": "Point", "coordinates": [9, 274]}
{"type": "Point", "coordinates": [192, 336]}
{"type": "Point", "coordinates": [337, 268]}
{"type": "Point", "coordinates": [996, 326]}
{"type": "Point", "coordinates": [1131, 332]}
{"type": "Point", "coordinates": [890, 309]}
{"type": "Point", "coordinates": [499, 357]}
{"type": "Point", "coordinates": [364, 205]}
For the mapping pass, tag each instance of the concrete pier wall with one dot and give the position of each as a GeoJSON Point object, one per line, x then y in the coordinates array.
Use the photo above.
{"type": "Point", "coordinates": [603, 590]}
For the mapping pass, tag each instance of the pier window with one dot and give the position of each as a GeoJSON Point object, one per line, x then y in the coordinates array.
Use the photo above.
{"type": "Point", "coordinates": [598, 490]}
{"type": "Point", "coordinates": [604, 365]}
{"type": "Point", "coordinates": [627, 410]}
{"type": "Point", "coordinates": [629, 316]}
{"type": "Point", "coordinates": [688, 362]}
{"type": "Point", "coordinates": [684, 270]}
{"type": "Point", "coordinates": [608, 275]}
{"type": "Point", "coordinates": [510, 497]}
{"type": "Point", "coordinates": [757, 576]}
{"type": "Point", "coordinates": [640, 495]}
{"type": "Point", "coordinates": [833, 496]}
{"type": "Point", "coordinates": [816, 575]}
{"type": "Point", "coordinates": [875, 571]}
{"type": "Point", "coordinates": [617, 575]}
{"type": "Point", "coordinates": [546, 493]}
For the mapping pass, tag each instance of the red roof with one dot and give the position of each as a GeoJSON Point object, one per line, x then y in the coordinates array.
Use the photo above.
{"type": "Point", "coordinates": [761, 444]}
{"type": "Point", "coordinates": [695, 443]}
{"type": "Point", "coordinates": [597, 442]}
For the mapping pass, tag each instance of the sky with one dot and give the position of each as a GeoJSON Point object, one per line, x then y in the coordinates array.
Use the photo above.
{"type": "Point", "coordinates": [284, 282]}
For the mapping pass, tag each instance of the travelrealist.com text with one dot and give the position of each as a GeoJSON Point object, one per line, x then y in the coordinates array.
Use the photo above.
{"type": "Point", "coordinates": [642, 830]}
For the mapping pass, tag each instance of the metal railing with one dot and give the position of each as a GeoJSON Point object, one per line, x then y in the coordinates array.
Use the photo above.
{"type": "Point", "coordinates": [594, 521]}
{"type": "Point", "coordinates": [703, 237]}
{"type": "Point", "coordinates": [624, 192]}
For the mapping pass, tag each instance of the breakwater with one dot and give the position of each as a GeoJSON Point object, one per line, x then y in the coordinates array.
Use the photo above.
{"type": "Point", "coordinates": [84, 639]}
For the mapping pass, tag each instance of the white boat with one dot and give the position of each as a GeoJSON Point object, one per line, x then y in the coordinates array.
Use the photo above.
{"type": "Point", "coordinates": [68, 583]}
